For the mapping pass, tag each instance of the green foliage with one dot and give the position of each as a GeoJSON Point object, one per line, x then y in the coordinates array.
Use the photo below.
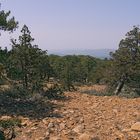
{"type": "Point", "coordinates": [54, 92]}
{"type": "Point", "coordinates": [6, 23]}
{"type": "Point", "coordinates": [2, 74]}
{"type": "Point", "coordinates": [99, 75]}
{"type": "Point", "coordinates": [29, 63]}
{"type": "Point", "coordinates": [75, 70]}
{"type": "Point", "coordinates": [3, 55]}
{"type": "Point", "coordinates": [10, 123]}
{"type": "Point", "coordinates": [2, 137]}
{"type": "Point", "coordinates": [16, 92]}
{"type": "Point", "coordinates": [125, 66]}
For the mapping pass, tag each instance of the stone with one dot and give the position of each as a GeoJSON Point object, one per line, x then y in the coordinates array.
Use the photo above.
{"type": "Point", "coordinates": [5, 117]}
{"type": "Point", "coordinates": [126, 130]}
{"type": "Point", "coordinates": [55, 138]}
{"type": "Point", "coordinates": [115, 111]}
{"type": "Point", "coordinates": [95, 105]}
{"type": "Point", "coordinates": [81, 120]}
{"type": "Point", "coordinates": [85, 136]}
{"type": "Point", "coordinates": [50, 125]}
{"type": "Point", "coordinates": [26, 122]}
{"type": "Point", "coordinates": [62, 126]}
{"type": "Point", "coordinates": [45, 121]}
{"type": "Point", "coordinates": [71, 111]}
{"type": "Point", "coordinates": [34, 128]}
{"type": "Point", "coordinates": [79, 129]}
{"type": "Point", "coordinates": [47, 134]}
{"type": "Point", "coordinates": [136, 126]}
{"type": "Point", "coordinates": [9, 134]}
{"type": "Point", "coordinates": [96, 138]}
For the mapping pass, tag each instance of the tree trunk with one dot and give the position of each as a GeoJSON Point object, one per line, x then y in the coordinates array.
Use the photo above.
{"type": "Point", "coordinates": [119, 87]}
{"type": "Point", "coordinates": [26, 81]}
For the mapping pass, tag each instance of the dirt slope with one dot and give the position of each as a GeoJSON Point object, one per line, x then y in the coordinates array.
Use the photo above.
{"type": "Point", "coordinates": [86, 117]}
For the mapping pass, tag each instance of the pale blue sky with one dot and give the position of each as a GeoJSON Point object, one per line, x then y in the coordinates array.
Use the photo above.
{"type": "Point", "coordinates": [74, 24]}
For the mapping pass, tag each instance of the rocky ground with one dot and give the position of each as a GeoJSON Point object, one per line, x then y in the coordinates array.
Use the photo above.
{"type": "Point", "coordinates": [85, 117]}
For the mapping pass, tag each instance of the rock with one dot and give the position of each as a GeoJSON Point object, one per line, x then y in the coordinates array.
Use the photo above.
{"type": "Point", "coordinates": [136, 114]}
{"type": "Point", "coordinates": [136, 126]}
{"type": "Point", "coordinates": [85, 136]}
{"type": "Point", "coordinates": [65, 132]}
{"type": "Point", "coordinates": [115, 111]}
{"type": "Point", "coordinates": [5, 117]}
{"type": "Point", "coordinates": [96, 138]}
{"type": "Point", "coordinates": [9, 134]}
{"type": "Point", "coordinates": [81, 120]}
{"type": "Point", "coordinates": [71, 111]}
{"type": "Point", "coordinates": [55, 138]}
{"type": "Point", "coordinates": [126, 130]}
{"type": "Point", "coordinates": [95, 105]}
{"type": "Point", "coordinates": [25, 122]}
{"type": "Point", "coordinates": [71, 122]}
{"type": "Point", "coordinates": [62, 126]}
{"type": "Point", "coordinates": [47, 134]}
{"type": "Point", "coordinates": [45, 121]}
{"type": "Point", "coordinates": [120, 136]}
{"type": "Point", "coordinates": [34, 128]}
{"type": "Point", "coordinates": [79, 129]}
{"type": "Point", "coordinates": [50, 125]}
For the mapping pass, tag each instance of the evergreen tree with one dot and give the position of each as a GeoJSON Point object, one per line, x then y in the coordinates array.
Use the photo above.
{"type": "Point", "coordinates": [126, 61]}
{"type": "Point", "coordinates": [6, 24]}
{"type": "Point", "coordinates": [28, 61]}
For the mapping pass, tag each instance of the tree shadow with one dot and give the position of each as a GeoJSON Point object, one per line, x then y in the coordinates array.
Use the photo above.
{"type": "Point", "coordinates": [38, 108]}
{"type": "Point", "coordinates": [54, 94]}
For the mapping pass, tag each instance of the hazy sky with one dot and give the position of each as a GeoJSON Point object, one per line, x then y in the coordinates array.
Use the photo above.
{"type": "Point", "coordinates": [74, 24]}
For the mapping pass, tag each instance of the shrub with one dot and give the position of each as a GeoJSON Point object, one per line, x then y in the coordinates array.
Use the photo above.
{"type": "Point", "coordinates": [16, 92]}
{"type": "Point", "coordinates": [54, 92]}
{"type": "Point", "coordinates": [10, 123]}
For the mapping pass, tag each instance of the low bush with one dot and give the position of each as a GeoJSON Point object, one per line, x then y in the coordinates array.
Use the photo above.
{"type": "Point", "coordinates": [10, 123]}
{"type": "Point", "coordinates": [16, 92]}
{"type": "Point", "coordinates": [54, 92]}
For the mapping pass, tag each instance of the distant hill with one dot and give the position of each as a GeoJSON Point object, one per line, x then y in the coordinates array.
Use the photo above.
{"type": "Point", "coordinates": [99, 53]}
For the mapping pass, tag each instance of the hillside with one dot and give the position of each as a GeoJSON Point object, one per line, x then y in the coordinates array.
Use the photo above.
{"type": "Point", "coordinates": [99, 53]}
{"type": "Point", "coordinates": [81, 116]}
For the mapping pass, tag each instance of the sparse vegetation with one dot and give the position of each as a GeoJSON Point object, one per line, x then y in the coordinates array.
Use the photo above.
{"type": "Point", "coordinates": [26, 72]}
{"type": "Point", "coordinates": [125, 67]}
{"type": "Point", "coordinates": [9, 123]}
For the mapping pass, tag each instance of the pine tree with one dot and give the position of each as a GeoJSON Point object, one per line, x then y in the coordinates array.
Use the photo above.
{"type": "Point", "coordinates": [30, 62]}
{"type": "Point", "coordinates": [126, 61]}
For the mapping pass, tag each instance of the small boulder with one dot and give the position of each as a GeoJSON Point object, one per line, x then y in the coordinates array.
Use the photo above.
{"type": "Point", "coordinates": [62, 126]}
{"type": "Point", "coordinates": [50, 125]}
{"type": "Point", "coordinates": [79, 129]}
{"type": "Point", "coordinates": [85, 136]}
{"type": "Point", "coordinates": [55, 138]}
{"type": "Point", "coordinates": [45, 121]}
{"type": "Point", "coordinates": [5, 117]}
{"type": "Point", "coordinates": [136, 126]}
